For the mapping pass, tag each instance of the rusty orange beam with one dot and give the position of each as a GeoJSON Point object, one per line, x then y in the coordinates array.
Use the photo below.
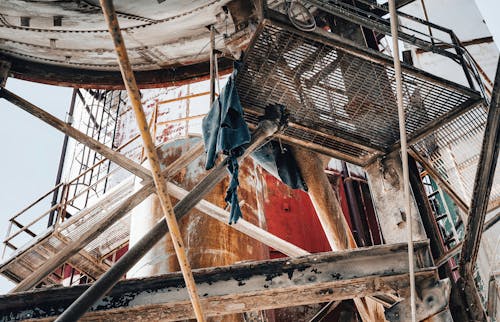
{"type": "Point", "coordinates": [182, 98]}
{"type": "Point", "coordinates": [154, 162]}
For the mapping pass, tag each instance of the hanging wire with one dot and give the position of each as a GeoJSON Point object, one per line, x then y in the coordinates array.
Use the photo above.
{"type": "Point", "coordinates": [404, 152]}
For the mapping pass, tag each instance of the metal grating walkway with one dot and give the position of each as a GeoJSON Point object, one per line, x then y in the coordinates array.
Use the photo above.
{"type": "Point", "coordinates": [342, 98]}
{"type": "Point", "coordinates": [89, 260]}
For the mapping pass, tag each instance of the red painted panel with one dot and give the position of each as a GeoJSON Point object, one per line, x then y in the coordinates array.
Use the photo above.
{"type": "Point", "coordinates": [121, 252]}
{"type": "Point", "coordinates": [339, 187]}
{"type": "Point", "coordinates": [67, 271]}
{"type": "Point", "coordinates": [290, 215]}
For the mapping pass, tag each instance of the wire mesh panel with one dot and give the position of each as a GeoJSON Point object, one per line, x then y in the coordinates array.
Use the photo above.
{"type": "Point", "coordinates": [345, 100]}
{"type": "Point", "coordinates": [453, 149]}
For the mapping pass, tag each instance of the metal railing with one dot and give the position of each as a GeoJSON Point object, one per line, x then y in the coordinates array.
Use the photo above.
{"type": "Point", "coordinates": [372, 17]}
{"type": "Point", "coordinates": [74, 194]}
{"type": "Point", "coordinates": [19, 234]}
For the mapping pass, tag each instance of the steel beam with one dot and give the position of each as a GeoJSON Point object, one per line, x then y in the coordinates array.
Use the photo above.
{"type": "Point", "coordinates": [484, 179]}
{"type": "Point", "coordinates": [240, 288]}
{"type": "Point", "coordinates": [96, 79]}
{"type": "Point", "coordinates": [483, 182]}
{"type": "Point", "coordinates": [428, 220]}
{"type": "Point", "coordinates": [62, 158]}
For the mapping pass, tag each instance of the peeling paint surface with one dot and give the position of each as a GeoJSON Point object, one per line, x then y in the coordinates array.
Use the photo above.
{"type": "Point", "coordinates": [74, 33]}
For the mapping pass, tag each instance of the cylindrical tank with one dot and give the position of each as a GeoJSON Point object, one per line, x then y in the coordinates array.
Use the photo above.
{"type": "Point", "coordinates": [208, 242]}
{"type": "Point", "coordinates": [67, 42]}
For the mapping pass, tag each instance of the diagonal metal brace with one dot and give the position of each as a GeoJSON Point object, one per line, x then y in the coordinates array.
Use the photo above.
{"type": "Point", "coordinates": [262, 134]}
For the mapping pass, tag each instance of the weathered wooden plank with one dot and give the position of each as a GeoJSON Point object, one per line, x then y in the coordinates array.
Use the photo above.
{"type": "Point", "coordinates": [239, 288]}
{"type": "Point", "coordinates": [108, 10]}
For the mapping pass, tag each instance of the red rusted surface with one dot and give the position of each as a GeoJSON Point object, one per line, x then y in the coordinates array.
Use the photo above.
{"type": "Point", "coordinates": [338, 186]}
{"type": "Point", "coordinates": [369, 210]}
{"type": "Point", "coordinates": [209, 243]}
{"type": "Point", "coordinates": [291, 216]}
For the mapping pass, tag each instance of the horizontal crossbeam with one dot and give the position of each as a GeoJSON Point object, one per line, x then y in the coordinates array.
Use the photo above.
{"type": "Point", "coordinates": [242, 287]}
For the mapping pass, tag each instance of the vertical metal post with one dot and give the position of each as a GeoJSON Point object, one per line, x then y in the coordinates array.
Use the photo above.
{"type": "Point", "coordinates": [62, 157]}
{"type": "Point", "coordinates": [9, 229]}
{"type": "Point", "coordinates": [362, 239]}
{"type": "Point", "coordinates": [463, 63]}
{"type": "Point", "coordinates": [212, 64]}
{"type": "Point", "coordinates": [427, 19]}
{"type": "Point", "coordinates": [150, 149]}
{"type": "Point", "coordinates": [404, 151]}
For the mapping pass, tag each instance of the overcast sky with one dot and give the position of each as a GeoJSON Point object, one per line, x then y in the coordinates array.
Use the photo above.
{"type": "Point", "coordinates": [31, 149]}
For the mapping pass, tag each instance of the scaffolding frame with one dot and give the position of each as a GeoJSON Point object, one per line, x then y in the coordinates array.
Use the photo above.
{"type": "Point", "coordinates": [264, 130]}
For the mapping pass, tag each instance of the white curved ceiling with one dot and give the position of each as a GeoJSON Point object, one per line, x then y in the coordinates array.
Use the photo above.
{"type": "Point", "coordinates": [158, 34]}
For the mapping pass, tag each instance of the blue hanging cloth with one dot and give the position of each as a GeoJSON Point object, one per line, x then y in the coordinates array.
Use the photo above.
{"type": "Point", "coordinates": [275, 157]}
{"type": "Point", "coordinates": [225, 130]}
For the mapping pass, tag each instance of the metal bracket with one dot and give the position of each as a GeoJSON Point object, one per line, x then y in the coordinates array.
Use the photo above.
{"type": "Point", "coordinates": [432, 299]}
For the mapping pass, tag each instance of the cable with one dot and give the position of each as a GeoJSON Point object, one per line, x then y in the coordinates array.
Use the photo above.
{"type": "Point", "coordinates": [404, 152]}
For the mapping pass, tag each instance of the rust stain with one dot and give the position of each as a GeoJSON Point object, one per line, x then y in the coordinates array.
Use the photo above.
{"type": "Point", "coordinates": [209, 243]}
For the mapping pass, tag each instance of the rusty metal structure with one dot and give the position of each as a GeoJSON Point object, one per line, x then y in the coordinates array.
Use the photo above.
{"type": "Point", "coordinates": [136, 228]}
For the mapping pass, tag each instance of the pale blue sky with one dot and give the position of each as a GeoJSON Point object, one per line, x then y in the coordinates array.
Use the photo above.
{"type": "Point", "coordinates": [31, 149]}
{"type": "Point", "coordinates": [490, 10]}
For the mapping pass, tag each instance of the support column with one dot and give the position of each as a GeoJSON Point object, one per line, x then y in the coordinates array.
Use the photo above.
{"type": "Point", "coordinates": [327, 206]}
{"type": "Point", "coordinates": [386, 182]}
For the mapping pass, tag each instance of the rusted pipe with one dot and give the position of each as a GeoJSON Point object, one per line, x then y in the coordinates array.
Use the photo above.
{"type": "Point", "coordinates": [362, 240]}
{"type": "Point", "coordinates": [212, 64]}
{"type": "Point", "coordinates": [152, 155]}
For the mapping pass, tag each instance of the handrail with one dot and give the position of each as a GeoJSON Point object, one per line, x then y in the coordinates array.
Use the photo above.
{"type": "Point", "coordinates": [405, 15]}
{"type": "Point", "coordinates": [65, 200]}
{"type": "Point", "coordinates": [103, 160]}
{"type": "Point", "coordinates": [376, 22]}
{"type": "Point", "coordinates": [372, 21]}
{"type": "Point", "coordinates": [89, 187]}
{"type": "Point", "coordinates": [63, 203]}
{"type": "Point", "coordinates": [34, 221]}
{"type": "Point", "coordinates": [35, 202]}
